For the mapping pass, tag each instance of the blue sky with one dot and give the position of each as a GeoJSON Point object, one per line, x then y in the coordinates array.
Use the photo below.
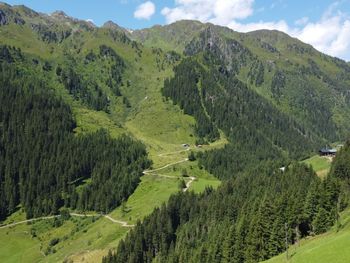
{"type": "Point", "coordinates": [324, 23]}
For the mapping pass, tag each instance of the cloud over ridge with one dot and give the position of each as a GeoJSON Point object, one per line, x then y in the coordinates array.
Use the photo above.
{"type": "Point", "coordinates": [145, 10]}
{"type": "Point", "coordinates": [330, 34]}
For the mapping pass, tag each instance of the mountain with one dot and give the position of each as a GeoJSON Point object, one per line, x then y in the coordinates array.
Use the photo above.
{"type": "Point", "coordinates": [269, 56]}
{"type": "Point", "coordinates": [85, 110]}
{"type": "Point", "coordinates": [308, 89]}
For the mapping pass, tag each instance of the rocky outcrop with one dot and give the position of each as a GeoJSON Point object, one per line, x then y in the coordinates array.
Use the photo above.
{"type": "Point", "coordinates": [3, 18]}
{"type": "Point", "coordinates": [228, 50]}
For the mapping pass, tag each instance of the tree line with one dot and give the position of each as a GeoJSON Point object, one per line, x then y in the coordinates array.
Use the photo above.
{"type": "Point", "coordinates": [256, 129]}
{"type": "Point", "coordinates": [44, 165]}
{"type": "Point", "coordinates": [183, 90]}
{"type": "Point", "coordinates": [89, 90]}
{"type": "Point", "coordinates": [250, 218]}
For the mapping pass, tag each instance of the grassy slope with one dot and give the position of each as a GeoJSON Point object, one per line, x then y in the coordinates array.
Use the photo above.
{"type": "Point", "coordinates": [160, 125]}
{"type": "Point", "coordinates": [174, 37]}
{"type": "Point", "coordinates": [332, 246]}
{"type": "Point", "coordinates": [320, 164]}
{"type": "Point", "coordinates": [287, 58]}
{"type": "Point", "coordinates": [76, 234]}
{"type": "Point", "coordinates": [91, 244]}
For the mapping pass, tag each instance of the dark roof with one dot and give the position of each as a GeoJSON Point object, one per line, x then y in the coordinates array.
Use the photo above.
{"type": "Point", "coordinates": [325, 150]}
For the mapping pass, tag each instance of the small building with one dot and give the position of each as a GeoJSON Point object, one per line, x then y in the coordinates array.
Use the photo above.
{"type": "Point", "coordinates": [327, 152]}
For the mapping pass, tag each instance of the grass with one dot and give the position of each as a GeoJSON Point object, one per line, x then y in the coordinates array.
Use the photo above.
{"type": "Point", "coordinates": [18, 246]}
{"type": "Point", "coordinates": [18, 216]}
{"type": "Point", "coordinates": [88, 241]}
{"type": "Point", "coordinates": [155, 189]}
{"type": "Point", "coordinates": [101, 235]}
{"type": "Point", "coordinates": [321, 165]}
{"type": "Point", "coordinates": [332, 246]}
{"type": "Point", "coordinates": [162, 126]}
{"type": "Point", "coordinates": [152, 192]}
{"type": "Point", "coordinates": [78, 237]}
{"type": "Point", "coordinates": [90, 121]}
{"type": "Point", "coordinates": [199, 185]}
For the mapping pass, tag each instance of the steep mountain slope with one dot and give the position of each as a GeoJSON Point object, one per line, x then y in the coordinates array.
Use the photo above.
{"type": "Point", "coordinates": [295, 77]}
{"type": "Point", "coordinates": [241, 77]}
{"type": "Point", "coordinates": [106, 81]}
{"type": "Point", "coordinates": [248, 219]}
{"type": "Point", "coordinates": [185, 83]}
{"type": "Point", "coordinates": [142, 71]}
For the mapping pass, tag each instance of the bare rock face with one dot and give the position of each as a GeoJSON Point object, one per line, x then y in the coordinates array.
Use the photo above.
{"type": "Point", "coordinates": [19, 21]}
{"type": "Point", "coordinates": [230, 51]}
{"type": "Point", "coordinates": [111, 25]}
{"type": "Point", "coordinates": [3, 18]}
{"type": "Point", "coordinates": [7, 15]}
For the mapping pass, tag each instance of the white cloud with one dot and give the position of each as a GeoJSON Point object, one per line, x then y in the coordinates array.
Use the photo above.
{"type": "Point", "coordinates": [90, 20]}
{"type": "Point", "coordinates": [330, 34]}
{"type": "Point", "coordinates": [280, 25]}
{"type": "Point", "coordinates": [219, 12]}
{"type": "Point", "coordinates": [145, 10]}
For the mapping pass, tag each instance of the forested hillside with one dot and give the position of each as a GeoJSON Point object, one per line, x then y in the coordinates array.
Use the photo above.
{"type": "Point", "coordinates": [300, 81]}
{"type": "Point", "coordinates": [232, 79]}
{"type": "Point", "coordinates": [247, 219]}
{"type": "Point", "coordinates": [42, 161]}
{"type": "Point", "coordinates": [113, 121]}
{"type": "Point", "coordinates": [218, 99]}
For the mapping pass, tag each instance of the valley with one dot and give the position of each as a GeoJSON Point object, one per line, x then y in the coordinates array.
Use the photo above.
{"type": "Point", "coordinates": [165, 144]}
{"type": "Point", "coordinates": [155, 188]}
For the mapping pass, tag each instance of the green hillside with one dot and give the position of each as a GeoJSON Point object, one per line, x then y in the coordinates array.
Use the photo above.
{"type": "Point", "coordinates": [251, 218]}
{"type": "Point", "coordinates": [320, 164]}
{"type": "Point", "coordinates": [130, 110]}
{"type": "Point", "coordinates": [329, 247]}
{"type": "Point", "coordinates": [294, 76]}
{"type": "Point", "coordinates": [101, 126]}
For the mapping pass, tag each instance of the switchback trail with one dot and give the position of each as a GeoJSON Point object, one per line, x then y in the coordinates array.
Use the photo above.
{"type": "Point", "coordinates": [165, 166]}
{"type": "Point", "coordinates": [122, 223]}
{"type": "Point", "coordinates": [188, 184]}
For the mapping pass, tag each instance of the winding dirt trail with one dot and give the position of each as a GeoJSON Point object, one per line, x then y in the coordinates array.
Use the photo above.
{"type": "Point", "coordinates": [165, 166]}
{"type": "Point", "coordinates": [120, 222]}
{"type": "Point", "coordinates": [29, 220]}
{"type": "Point", "coordinates": [188, 184]}
{"type": "Point", "coordinates": [123, 223]}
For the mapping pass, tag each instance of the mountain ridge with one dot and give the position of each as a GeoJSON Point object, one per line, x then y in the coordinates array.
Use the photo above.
{"type": "Point", "coordinates": [240, 103]}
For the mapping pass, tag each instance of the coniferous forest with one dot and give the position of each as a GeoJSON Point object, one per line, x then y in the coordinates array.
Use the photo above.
{"type": "Point", "coordinates": [248, 219]}
{"type": "Point", "coordinates": [217, 99]}
{"type": "Point", "coordinates": [188, 142]}
{"type": "Point", "coordinates": [41, 159]}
